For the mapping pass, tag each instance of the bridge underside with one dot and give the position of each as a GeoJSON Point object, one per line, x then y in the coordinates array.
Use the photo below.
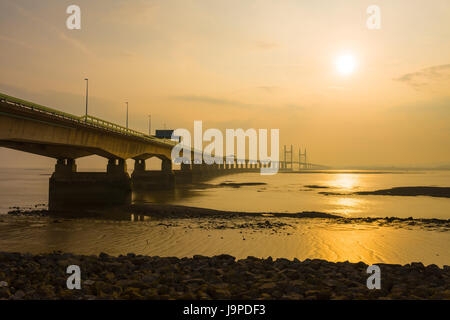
{"type": "Point", "coordinates": [67, 139]}
{"type": "Point", "coordinates": [57, 137]}
{"type": "Point", "coordinates": [53, 150]}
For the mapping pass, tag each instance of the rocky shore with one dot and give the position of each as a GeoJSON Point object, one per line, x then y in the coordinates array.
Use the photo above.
{"type": "Point", "coordinates": [26, 276]}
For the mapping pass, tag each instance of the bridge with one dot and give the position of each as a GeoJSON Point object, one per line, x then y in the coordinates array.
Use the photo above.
{"type": "Point", "coordinates": [36, 129]}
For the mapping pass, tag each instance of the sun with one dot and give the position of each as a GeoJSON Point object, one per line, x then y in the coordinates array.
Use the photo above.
{"type": "Point", "coordinates": [346, 64]}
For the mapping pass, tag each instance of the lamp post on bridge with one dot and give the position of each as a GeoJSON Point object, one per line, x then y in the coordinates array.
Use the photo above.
{"type": "Point", "coordinates": [127, 114]}
{"type": "Point", "coordinates": [87, 94]}
{"type": "Point", "coordinates": [149, 125]}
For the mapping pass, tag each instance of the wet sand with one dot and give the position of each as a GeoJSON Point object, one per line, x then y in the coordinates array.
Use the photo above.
{"type": "Point", "coordinates": [194, 253]}
{"type": "Point", "coordinates": [179, 231]}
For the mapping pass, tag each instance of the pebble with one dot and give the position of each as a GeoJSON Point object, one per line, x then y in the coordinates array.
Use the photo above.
{"type": "Point", "coordinates": [25, 276]}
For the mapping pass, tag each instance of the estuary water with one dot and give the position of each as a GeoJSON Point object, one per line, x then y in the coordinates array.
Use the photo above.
{"type": "Point", "coordinates": [242, 237]}
{"type": "Point", "coordinates": [283, 192]}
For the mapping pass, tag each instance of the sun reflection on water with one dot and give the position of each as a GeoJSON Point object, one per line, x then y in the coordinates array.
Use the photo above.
{"type": "Point", "coordinates": [348, 206]}
{"type": "Point", "coordinates": [345, 181]}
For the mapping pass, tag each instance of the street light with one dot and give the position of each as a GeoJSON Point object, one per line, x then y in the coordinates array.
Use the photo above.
{"type": "Point", "coordinates": [149, 125]}
{"type": "Point", "coordinates": [127, 114]}
{"type": "Point", "coordinates": [87, 93]}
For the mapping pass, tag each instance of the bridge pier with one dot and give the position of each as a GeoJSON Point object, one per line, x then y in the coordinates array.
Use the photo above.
{"type": "Point", "coordinates": [71, 189]}
{"type": "Point", "coordinates": [65, 167]}
{"type": "Point", "coordinates": [116, 167]}
{"type": "Point", "coordinates": [144, 180]}
{"type": "Point", "coordinates": [184, 175]}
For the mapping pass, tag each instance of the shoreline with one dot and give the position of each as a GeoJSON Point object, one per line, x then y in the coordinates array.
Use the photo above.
{"type": "Point", "coordinates": [168, 212]}
{"type": "Point", "coordinates": [26, 276]}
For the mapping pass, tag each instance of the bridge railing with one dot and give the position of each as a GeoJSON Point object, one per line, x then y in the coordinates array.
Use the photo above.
{"type": "Point", "coordinates": [106, 124]}
{"type": "Point", "coordinates": [87, 120]}
{"type": "Point", "coordinates": [36, 107]}
{"type": "Point", "coordinates": [112, 126]}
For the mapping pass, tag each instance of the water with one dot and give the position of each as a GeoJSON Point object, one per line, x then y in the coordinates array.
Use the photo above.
{"type": "Point", "coordinates": [284, 192]}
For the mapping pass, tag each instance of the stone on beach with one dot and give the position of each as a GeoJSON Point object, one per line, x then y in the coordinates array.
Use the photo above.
{"type": "Point", "coordinates": [26, 276]}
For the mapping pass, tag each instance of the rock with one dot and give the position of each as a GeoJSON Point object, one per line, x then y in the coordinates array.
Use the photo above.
{"type": "Point", "coordinates": [110, 276]}
{"type": "Point", "coordinates": [224, 257]}
{"type": "Point", "coordinates": [103, 255]}
{"type": "Point", "coordinates": [199, 257]}
{"type": "Point", "coordinates": [19, 294]}
{"type": "Point", "coordinates": [267, 287]}
{"type": "Point", "coordinates": [220, 277]}
{"type": "Point", "coordinates": [132, 293]}
{"type": "Point", "coordinates": [5, 293]}
{"type": "Point", "coordinates": [197, 281]}
{"type": "Point", "coordinates": [417, 265]}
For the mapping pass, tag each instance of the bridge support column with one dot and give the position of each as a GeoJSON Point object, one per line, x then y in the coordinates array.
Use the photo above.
{"type": "Point", "coordinates": [186, 167]}
{"type": "Point", "coordinates": [184, 175]}
{"type": "Point", "coordinates": [215, 169]}
{"type": "Point", "coordinates": [139, 165]}
{"type": "Point", "coordinates": [116, 166]}
{"type": "Point", "coordinates": [166, 165]}
{"type": "Point", "coordinates": [196, 171]}
{"type": "Point", "coordinates": [150, 180]}
{"type": "Point", "coordinates": [70, 190]}
{"type": "Point", "coordinates": [205, 168]}
{"type": "Point", "coordinates": [202, 171]}
{"type": "Point", "coordinates": [65, 167]}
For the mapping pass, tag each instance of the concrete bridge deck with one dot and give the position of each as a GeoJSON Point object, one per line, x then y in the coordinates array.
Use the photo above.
{"type": "Point", "coordinates": [33, 128]}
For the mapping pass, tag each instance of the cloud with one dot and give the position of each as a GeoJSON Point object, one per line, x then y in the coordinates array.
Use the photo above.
{"type": "Point", "coordinates": [426, 77]}
{"type": "Point", "coordinates": [210, 100]}
{"type": "Point", "coordinates": [137, 12]}
{"type": "Point", "coordinates": [261, 109]}
{"type": "Point", "coordinates": [29, 15]}
{"type": "Point", "coordinates": [15, 42]}
{"type": "Point", "coordinates": [440, 106]}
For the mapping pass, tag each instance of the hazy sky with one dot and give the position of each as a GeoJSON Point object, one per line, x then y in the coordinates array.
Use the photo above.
{"type": "Point", "coordinates": [244, 64]}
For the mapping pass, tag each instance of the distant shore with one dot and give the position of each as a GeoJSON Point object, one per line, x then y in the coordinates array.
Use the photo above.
{"type": "Point", "coordinates": [26, 276]}
{"type": "Point", "coordinates": [438, 192]}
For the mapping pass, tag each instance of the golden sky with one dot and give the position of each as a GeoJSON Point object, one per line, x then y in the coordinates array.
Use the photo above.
{"type": "Point", "coordinates": [245, 64]}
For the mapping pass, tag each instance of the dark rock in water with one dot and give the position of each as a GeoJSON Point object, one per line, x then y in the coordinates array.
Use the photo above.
{"type": "Point", "coordinates": [238, 185]}
{"type": "Point", "coordinates": [443, 192]}
{"type": "Point", "coordinates": [313, 186]}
